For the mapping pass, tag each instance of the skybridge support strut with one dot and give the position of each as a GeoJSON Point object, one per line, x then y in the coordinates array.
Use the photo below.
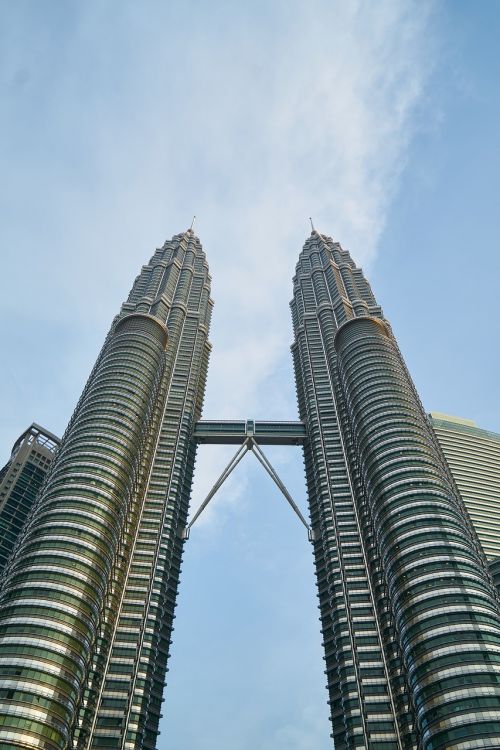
{"type": "Point", "coordinates": [248, 445]}
{"type": "Point", "coordinates": [262, 458]}
{"type": "Point", "coordinates": [218, 484]}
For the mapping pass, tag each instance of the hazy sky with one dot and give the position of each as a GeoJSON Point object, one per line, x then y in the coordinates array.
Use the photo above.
{"type": "Point", "coordinates": [119, 120]}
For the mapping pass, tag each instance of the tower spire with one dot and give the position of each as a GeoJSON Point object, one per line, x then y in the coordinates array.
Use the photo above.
{"type": "Point", "coordinates": [312, 225]}
{"type": "Point", "coordinates": [192, 223]}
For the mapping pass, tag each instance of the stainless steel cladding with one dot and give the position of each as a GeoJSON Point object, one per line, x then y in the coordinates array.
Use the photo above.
{"type": "Point", "coordinates": [87, 604]}
{"type": "Point", "coordinates": [411, 621]}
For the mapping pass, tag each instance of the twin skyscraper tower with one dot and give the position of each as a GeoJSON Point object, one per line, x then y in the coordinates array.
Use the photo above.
{"type": "Point", "coordinates": [409, 614]}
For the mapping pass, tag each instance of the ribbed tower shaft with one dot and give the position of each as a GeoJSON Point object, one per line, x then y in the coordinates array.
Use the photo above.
{"type": "Point", "coordinates": [52, 597]}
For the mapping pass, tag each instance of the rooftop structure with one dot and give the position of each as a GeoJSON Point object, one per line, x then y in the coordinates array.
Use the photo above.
{"type": "Point", "coordinates": [20, 481]}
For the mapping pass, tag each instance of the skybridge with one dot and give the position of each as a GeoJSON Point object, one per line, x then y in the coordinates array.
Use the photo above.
{"type": "Point", "coordinates": [249, 435]}
{"type": "Point", "coordinates": [229, 432]}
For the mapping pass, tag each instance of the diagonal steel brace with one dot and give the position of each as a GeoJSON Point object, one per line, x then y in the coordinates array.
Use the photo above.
{"type": "Point", "coordinates": [261, 456]}
{"type": "Point", "coordinates": [249, 445]}
{"type": "Point", "coordinates": [227, 471]}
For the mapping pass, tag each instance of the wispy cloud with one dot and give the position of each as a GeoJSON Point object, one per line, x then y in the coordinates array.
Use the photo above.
{"type": "Point", "coordinates": [120, 121]}
{"type": "Point", "coordinates": [120, 125]}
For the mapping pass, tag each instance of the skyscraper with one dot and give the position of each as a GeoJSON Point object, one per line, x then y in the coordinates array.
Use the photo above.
{"type": "Point", "coordinates": [410, 618]}
{"type": "Point", "coordinates": [87, 605]}
{"type": "Point", "coordinates": [20, 481]}
{"type": "Point", "coordinates": [473, 456]}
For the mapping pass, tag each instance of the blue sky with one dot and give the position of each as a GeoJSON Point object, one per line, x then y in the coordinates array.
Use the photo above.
{"type": "Point", "coordinates": [119, 121]}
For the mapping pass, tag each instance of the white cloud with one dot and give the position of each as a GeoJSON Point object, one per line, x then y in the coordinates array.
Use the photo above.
{"type": "Point", "coordinates": [252, 118]}
{"type": "Point", "coordinates": [120, 121]}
